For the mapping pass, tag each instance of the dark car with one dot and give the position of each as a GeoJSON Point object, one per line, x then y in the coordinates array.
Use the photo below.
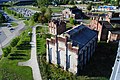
{"type": "Point", "coordinates": [12, 29]}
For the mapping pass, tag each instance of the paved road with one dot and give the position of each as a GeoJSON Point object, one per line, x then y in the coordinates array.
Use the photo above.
{"type": "Point", "coordinates": [6, 31]}
{"type": "Point", "coordinates": [14, 34]}
{"type": "Point", "coordinates": [33, 60]}
{"type": "Point", "coordinates": [6, 36]}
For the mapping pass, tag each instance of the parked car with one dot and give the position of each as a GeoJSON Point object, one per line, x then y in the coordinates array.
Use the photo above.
{"type": "Point", "coordinates": [12, 29]}
{"type": "Point", "coordinates": [9, 25]}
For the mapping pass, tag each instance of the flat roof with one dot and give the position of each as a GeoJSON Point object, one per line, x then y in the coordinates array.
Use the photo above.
{"type": "Point", "coordinates": [106, 24]}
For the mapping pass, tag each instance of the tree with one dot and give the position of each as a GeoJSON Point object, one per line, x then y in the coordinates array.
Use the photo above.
{"type": "Point", "coordinates": [43, 10]}
{"type": "Point", "coordinates": [48, 14]}
{"type": "Point", "coordinates": [89, 7]}
{"type": "Point", "coordinates": [117, 3]}
{"type": "Point", "coordinates": [71, 2]}
{"type": "Point", "coordinates": [2, 18]}
{"type": "Point", "coordinates": [107, 1]}
{"type": "Point", "coordinates": [35, 17]}
{"type": "Point", "coordinates": [44, 16]}
{"type": "Point", "coordinates": [43, 2]}
{"type": "Point", "coordinates": [15, 41]}
{"type": "Point", "coordinates": [6, 51]}
{"type": "Point", "coordinates": [72, 21]}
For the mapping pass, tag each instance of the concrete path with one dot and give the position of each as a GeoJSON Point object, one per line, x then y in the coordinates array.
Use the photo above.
{"type": "Point", "coordinates": [33, 60]}
{"type": "Point", "coordinates": [6, 31]}
{"type": "Point", "coordinates": [0, 51]}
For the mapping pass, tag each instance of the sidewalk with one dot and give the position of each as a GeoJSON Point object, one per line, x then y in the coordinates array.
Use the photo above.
{"type": "Point", "coordinates": [0, 52]}
{"type": "Point", "coordinates": [33, 60]}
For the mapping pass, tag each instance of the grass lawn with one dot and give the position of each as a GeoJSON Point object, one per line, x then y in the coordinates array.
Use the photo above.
{"type": "Point", "coordinates": [41, 40]}
{"type": "Point", "coordinates": [14, 24]}
{"type": "Point", "coordinates": [9, 69]}
{"type": "Point", "coordinates": [57, 9]}
{"type": "Point", "coordinates": [69, 25]}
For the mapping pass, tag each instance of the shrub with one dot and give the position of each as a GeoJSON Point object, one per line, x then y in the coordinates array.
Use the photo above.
{"type": "Point", "coordinates": [72, 21]}
{"type": "Point", "coordinates": [89, 7]}
{"type": "Point", "coordinates": [6, 51]}
{"type": "Point", "coordinates": [15, 41]}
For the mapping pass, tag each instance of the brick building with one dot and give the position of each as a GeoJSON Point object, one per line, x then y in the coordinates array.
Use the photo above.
{"type": "Point", "coordinates": [72, 49]}
{"type": "Point", "coordinates": [113, 17]}
{"type": "Point", "coordinates": [73, 12]}
{"type": "Point", "coordinates": [103, 27]}
{"type": "Point", "coordinates": [56, 27]}
{"type": "Point", "coordinates": [114, 35]}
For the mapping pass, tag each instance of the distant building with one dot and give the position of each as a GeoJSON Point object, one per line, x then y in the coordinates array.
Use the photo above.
{"type": "Point", "coordinates": [96, 16]}
{"type": "Point", "coordinates": [113, 17]}
{"type": "Point", "coordinates": [56, 27]}
{"type": "Point", "coordinates": [72, 49]}
{"type": "Point", "coordinates": [114, 35]}
{"type": "Point", "coordinates": [73, 12]}
{"type": "Point", "coordinates": [107, 8]}
{"type": "Point", "coordinates": [103, 27]}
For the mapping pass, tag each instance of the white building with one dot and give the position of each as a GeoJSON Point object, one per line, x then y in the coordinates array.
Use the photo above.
{"type": "Point", "coordinates": [116, 68]}
{"type": "Point", "coordinates": [72, 49]}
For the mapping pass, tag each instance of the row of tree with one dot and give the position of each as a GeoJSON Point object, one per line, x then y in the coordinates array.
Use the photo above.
{"type": "Point", "coordinates": [47, 2]}
{"type": "Point", "coordinates": [2, 18]}
{"type": "Point", "coordinates": [43, 16]}
{"type": "Point", "coordinates": [113, 2]}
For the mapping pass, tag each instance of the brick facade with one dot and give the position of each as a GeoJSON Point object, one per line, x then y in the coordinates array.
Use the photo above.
{"type": "Point", "coordinates": [56, 27]}
{"type": "Point", "coordinates": [67, 54]}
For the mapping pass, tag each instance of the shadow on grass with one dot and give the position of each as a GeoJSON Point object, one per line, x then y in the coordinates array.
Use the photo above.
{"type": "Point", "coordinates": [102, 61]}
{"type": "Point", "coordinates": [15, 58]}
{"type": "Point", "coordinates": [18, 54]}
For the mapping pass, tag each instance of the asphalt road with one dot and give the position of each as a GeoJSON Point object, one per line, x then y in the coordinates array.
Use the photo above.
{"type": "Point", "coordinates": [6, 35]}
{"type": "Point", "coordinates": [2, 35]}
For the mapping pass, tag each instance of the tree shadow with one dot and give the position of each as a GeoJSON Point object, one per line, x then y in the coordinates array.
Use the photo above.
{"type": "Point", "coordinates": [102, 61]}
{"type": "Point", "coordinates": [24, 46]}
{"type": "Point", "coordinates": [18, 54]}
{"type": "Point", "coordinates": [15, 58]}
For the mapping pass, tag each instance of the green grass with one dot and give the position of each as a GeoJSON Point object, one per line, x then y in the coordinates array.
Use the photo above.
{"type": "Point", "coordinates": [41, 39]}
{"type": "Point", "coordinates": [9, 69]}
{"type": "Point", "coordinates": [14, 24]}
{"type": "Point", "coordinates": [57, 9]}
{"type": "Point", "coordinates": [69, 26]}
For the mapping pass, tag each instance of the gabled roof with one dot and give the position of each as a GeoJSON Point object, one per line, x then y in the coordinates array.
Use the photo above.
{"type": "Point", "coordinates": [80, 35]}
{"type": "Point", "coordinates": [57, 22]}
{"type": "Point", "coordinates": [75, 10]}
